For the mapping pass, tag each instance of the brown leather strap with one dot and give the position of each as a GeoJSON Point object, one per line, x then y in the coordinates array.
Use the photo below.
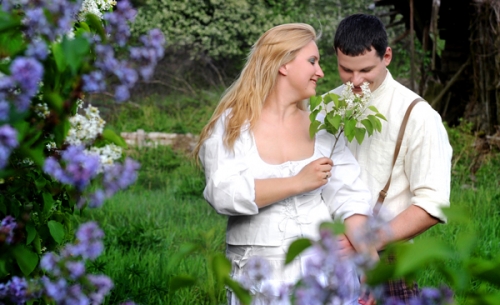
{"type": "Point", "coordinates": [383, 192]}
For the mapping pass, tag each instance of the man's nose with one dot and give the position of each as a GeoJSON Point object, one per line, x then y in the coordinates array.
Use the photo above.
{"type": "Point", "coordinates": [357, 79]}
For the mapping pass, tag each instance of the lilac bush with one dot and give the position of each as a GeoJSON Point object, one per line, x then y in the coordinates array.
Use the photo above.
{"type": "Point", "coordinates": [56, 156]}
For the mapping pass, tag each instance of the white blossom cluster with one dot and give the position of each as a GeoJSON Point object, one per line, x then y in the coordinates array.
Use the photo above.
{"type": "Point", "coordinates": [107, 154]}
{"type": "Point", "coordinates": [356, 103]}
{"type": "Point", "coordinates": [95, 7]}
{"type": "Point", "coordinates": [85, 128]}
{"type": "Point", "coordinates": [42, 110]}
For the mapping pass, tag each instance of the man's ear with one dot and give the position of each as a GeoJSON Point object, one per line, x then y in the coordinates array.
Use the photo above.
{"type": "Point", "coordinates": [387, 56]}
{"type": "Point", "coordinates": [283, 70]}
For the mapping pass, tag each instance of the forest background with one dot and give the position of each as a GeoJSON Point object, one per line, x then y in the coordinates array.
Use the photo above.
{"type": "Point", "coordinates": [148, 226]}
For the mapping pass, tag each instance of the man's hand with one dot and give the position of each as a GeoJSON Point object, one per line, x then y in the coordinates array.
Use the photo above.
{"type": "Point", "coordinates": [345, 247]}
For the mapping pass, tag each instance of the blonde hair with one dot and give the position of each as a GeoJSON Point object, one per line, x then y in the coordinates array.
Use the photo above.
{"type": "Point", "coordinates": [246, 96]}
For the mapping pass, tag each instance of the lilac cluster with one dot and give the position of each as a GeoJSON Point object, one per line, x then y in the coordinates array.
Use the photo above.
{"type": "Point", "coordinates": [14, 290]}
{"type": "Point", "coordinates": [142, 59]}
{"type": "Point", "coordinates": [428, 296]}
{"type": "Point", "coordinates": [36, 21]}
{"type": "Point", "coordinates": [255, 278]}
{"type": "Point", "coordinates": [7, 227]}
{"type": "Point", "coordinates": [21, 85]}
{"type": "Point", "coordinates": [67, 281]}
{"type": "Point", "coordinates": [116, 177]}
{"type": "Point", "coordinates": [326, 277]}
{"type": "Point", "coordinates": [8, 141]}
{"type": "Point", "coordinates": [79, 168]}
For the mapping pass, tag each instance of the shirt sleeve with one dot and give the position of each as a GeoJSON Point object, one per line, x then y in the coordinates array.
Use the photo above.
{"type": "Point", "coordinates": [428, 161]}
{"type": "Point", "coordinates": [344, 194]}
{"type": "Point", "coordinates": [230, 187]}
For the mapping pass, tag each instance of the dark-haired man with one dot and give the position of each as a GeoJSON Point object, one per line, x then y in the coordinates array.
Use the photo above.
{"type": "Point", "coordinates": [420, 184]}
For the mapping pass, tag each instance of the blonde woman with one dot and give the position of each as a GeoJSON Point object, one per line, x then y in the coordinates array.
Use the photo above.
{"type": "Point", "coordinates": [262, 168]}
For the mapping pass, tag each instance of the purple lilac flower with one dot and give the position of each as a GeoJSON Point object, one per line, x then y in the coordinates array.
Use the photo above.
{"type": "Point", "coordinates": [4, 110]}
{"type": "Point", "coordinates": [120, 176]}
{"type": "Point", "coordinates": [122, 93]}
{"type": "Point", "coordinates": [89, 245]}
{"type": "Point", "coordinates": [18, 290]}
{"type": "Point", "coordinates": [79, 170]}
{"type": "Point", "coordinates": [103, 286]}
{"type": "Point", "coordinates": [94, 82]}
{"type": "Point", "coordinates": [76, 269]}
{"type": "Point", "coordinates": [7, 226]}
{"type": "Point", "coordinates": [55, 290]}
{"type": "Point", "coordinates": [8, 141]}
{"type": "Point", "coordinates": [309, 292]}
{"type": "Point", "coordinates": [36, 23]}
{"type": "Point", "coordinates": [4, 290]}
{"type": "Point", "coordinates": [97, 199]}
{"type": "Point", "coordinates": [28, 73]}
{"type": "Point", "coordinates": [393, 301]}
{"type": "Point", "coordinates": [37, 49]}
{"type": "Point", "coordinates": [258, 268]}
{"type": "Point", "coordinates": [50, 263]}
{"type": "Point", "coordinates": [117, 22]}
{"type": "Point", "coordinates": [75, 296]}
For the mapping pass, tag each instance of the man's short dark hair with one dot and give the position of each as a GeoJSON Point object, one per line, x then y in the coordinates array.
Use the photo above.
{"type": "Point", "coordinates": [358, 33]}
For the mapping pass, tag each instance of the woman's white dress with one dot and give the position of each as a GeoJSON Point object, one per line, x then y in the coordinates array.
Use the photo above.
{"type": "Point", "coordinates": [267, 232]}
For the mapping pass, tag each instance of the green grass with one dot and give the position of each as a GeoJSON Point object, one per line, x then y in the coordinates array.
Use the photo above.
{"type": "Point", "coordinates": [147, 225]}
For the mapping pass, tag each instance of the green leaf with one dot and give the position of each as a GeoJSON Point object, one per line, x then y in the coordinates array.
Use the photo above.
{"type": "Point", "coordinates": [48, 203]}
{"type": "Point", "coordinates": [335, 98]}
{"type": "Point", "coordinates": [7, 21]}
{"type": "Point", "coordinates": [54, 100]}
{"type": "Point", "coordinates": [380, 115]}
{"type": "Point", "coordinates": [184, 250]}
{"type": "Point", "coordinates": [96, 24]}
{"type": "Point", "coordinates": [111, 136]}
{"type": "Point", "coordinates": [59, 57]}
{"type": "Point", "coordinates": [360, 134]}
{"type": "Point", "coordinates": [56, 230]}
{"type": "Point", "coordinates": [241, 293]}
{"type": "Point", "coordinates": [486, 270]}
{"type": "Point", "coordinates": [349, 129]}
{"type": "Point", "coordinates": [221, 267]}
{"type": "Point", "coordinates": [335, 121]}
{"type": "Point", "coordinates": [31, 233]}
{"type": "Point", "coordinates": [314, 102]}
{"type": "Point", "coordinates": [375, 122]}
{"type": "Point", "coordinates": [417, 256]}
{"type": "Point", "coordinates": [327, 98]}
{"type": "Point", "coordinates": [313, 115]}
{"type": "Point", "coordinates": [74, 51]}
{"type": "Point", "coordinates": [3, 269]}
{"type": "Point", "coordinates": [381, 273]}
{"type": "Point", "coordinates": [466, 243]}
{"type": "Point", "coordinates": [181, 281]}
{"type": "Point", "coordinates": [373, 108]}
{"type": "Point", "coordinates": [336, 227]}
{"type": "Point", "coordinates": [26, 259]}
{"type": "Point", "coordinates": [296, 248]}
{"type": "Point", "coordinates": [368, 125]}
{"type": "Point", "coordinates": [313, 128]}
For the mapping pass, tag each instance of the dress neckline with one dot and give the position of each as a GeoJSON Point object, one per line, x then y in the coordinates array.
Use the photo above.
{"type": "Point", "coordinates": [286, 162]}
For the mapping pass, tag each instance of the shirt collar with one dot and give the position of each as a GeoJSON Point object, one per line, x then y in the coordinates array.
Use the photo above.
{"type": "Point", "coordinates": [380, 90]}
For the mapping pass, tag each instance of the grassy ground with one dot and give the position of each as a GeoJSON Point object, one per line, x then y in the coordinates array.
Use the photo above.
{"type": "Point", "coordinates": [147, 225]}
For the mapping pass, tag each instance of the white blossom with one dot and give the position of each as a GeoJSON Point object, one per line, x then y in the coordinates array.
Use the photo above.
{"type": "Point", "coordinates": [85, 128]}
{"type": "Point", "coordinates": [95, 7]}
{"type": "Point", "coordinates": [107, 154]}
{"type": "Point", "coordinates": [42, 110]}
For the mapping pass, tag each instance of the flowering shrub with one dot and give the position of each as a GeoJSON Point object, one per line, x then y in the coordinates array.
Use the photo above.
{"type": "Point", "coordinates": [53, 159]}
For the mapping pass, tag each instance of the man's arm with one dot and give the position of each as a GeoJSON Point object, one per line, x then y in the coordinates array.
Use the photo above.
{"type": "Point", "coordinates": [408, 224]}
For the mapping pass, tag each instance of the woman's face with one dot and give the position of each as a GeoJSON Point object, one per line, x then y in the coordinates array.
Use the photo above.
{"type": "Point", "coordinates": [303, 72]}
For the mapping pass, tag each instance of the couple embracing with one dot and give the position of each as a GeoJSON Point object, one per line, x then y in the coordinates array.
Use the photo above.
{"type": "Point", "coordinates": [277, 184]}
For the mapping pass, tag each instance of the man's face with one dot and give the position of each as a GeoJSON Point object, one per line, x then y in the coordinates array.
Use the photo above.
{"type": "Point", "coordinates": [368, 67]}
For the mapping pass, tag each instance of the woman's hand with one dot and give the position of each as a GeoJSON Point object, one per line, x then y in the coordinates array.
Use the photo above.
{"type": "Point", "coordinates": [315, 174]}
